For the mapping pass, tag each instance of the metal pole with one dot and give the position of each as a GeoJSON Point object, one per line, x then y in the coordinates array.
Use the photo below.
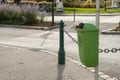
{"type": "Point", "coordinates": [96, 73]}
{"type": "Point", "coordinates": [97, 24]}
{"type": "Point", "coordinates": [105, 6]}
{"type": "Point", "coordinates": [97, 13]}
{"type": "Point", "coordinates": [74, 11]}
{"type": "Point", "coordinates": [61, 52]}
{"type": "Point", "coordinates": [52, 12]}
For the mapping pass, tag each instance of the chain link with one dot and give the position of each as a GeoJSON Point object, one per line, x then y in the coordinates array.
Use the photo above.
{"type": "Point", "coordinates": [73, 39]}
{"type": "Point", "coordinates": [113, 50]}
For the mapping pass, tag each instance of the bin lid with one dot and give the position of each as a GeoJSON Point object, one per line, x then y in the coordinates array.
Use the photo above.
{"type": "Point", "coordinates": [88, 27]}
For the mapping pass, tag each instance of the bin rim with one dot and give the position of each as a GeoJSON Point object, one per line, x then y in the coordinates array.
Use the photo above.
{"type": "Point", "coordinates": [86, 30]}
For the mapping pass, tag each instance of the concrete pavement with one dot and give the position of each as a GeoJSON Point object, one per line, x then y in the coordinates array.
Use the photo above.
{"type": "Point", "coordinates": [23, 64]}
{"type": "Point", "coordinates": [104, 14]}
{"type": "Point", "coordinates": [42, 66]}
{"type": "Point", "coordinates": [34, 57]}
{"type": "Point", "coordinates": [104, 18]}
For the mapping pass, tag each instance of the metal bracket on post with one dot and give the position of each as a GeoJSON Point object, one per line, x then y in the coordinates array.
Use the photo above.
{"type": "Point", "coordinates": [61, 52]}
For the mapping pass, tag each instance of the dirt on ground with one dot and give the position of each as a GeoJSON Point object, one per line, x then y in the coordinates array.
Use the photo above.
{"type": "Point", "coordinates": [116, 29]}
{"type": "Point", "coordinates": [45, 24]}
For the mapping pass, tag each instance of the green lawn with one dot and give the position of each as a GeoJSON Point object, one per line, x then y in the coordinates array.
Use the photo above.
{"type": "Point", "coordinates": [89, 10]}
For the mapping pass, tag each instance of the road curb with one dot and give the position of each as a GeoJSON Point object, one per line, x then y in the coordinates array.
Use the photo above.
{"type": "Point", "coordinates": [30, 27]}
{"type": "Point", "coordinates": [107, 14]}
{"type": "Point", "coordinates": [110, 32]}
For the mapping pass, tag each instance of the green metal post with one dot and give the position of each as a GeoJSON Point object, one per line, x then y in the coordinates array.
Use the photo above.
{"type": "Point", "coordinates": [61, 53]}
{"type": "Point", "coordinates": [105, 5]}
{"type": "Point", "coordinates": [52, 12]}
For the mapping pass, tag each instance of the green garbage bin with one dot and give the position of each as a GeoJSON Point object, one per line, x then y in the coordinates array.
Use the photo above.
{"type": "Point", "coordinates": [88, 44]}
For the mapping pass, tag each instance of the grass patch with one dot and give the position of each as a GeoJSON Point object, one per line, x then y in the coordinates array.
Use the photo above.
{"type": "Point", "coordinates": [68, 10]}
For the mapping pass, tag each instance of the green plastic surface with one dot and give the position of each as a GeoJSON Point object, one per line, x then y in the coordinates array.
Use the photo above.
{"type": "Point", "coordinates": [88, 44]}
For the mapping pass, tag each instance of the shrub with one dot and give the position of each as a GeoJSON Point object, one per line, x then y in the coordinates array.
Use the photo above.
{"type": "Point", "coordinates": [82, 5]}
{"type": "Point", "coordinates": [88, 1]}
{"type": "Point", "coordinates": [92, 5]}
{"type": "Point", "coordinates": [102, 5]}
{"type": "Point", "coordinates": [9, 14]}
{"type": "Point", "coordinates": [42, 16]}
{"type": "Point", "coordinates": [87, 4]}
{"type": "Point", "coordinates": [14, 14]}
{"type": "Point", "coordinates": [29, 14]}
{"type": "Point", "coordinates": [66, 4]}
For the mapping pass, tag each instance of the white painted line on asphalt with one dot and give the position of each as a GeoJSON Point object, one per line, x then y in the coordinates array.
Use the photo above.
{"type": "Point", "coordinates": [11, 46]}
{"type": "Point", "coordinates": [112, 79]}
{"type": "Point", "coordinates": [100, 73]}
{"type": "Point", "coordinates": [105, 76]}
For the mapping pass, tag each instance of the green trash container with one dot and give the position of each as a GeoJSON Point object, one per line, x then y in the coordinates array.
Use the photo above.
{"type": "Point", "coordinates": [88, 44]}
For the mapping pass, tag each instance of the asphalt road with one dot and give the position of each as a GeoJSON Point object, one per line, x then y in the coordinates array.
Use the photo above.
{"type": "Point", "coordinates": [106, 22]}
{"type": "Point", "coordinates": [109, 63]}
{"type": "Point", "coordinates": [8, 33]}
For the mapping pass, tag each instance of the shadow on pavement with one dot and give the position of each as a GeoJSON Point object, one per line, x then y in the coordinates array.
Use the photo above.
{"type": "Point", "coordinates": [60, 72]}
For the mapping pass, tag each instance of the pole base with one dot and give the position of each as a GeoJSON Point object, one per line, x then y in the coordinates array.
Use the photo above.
{"type": "Point", "coordinates": [61, 57]}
